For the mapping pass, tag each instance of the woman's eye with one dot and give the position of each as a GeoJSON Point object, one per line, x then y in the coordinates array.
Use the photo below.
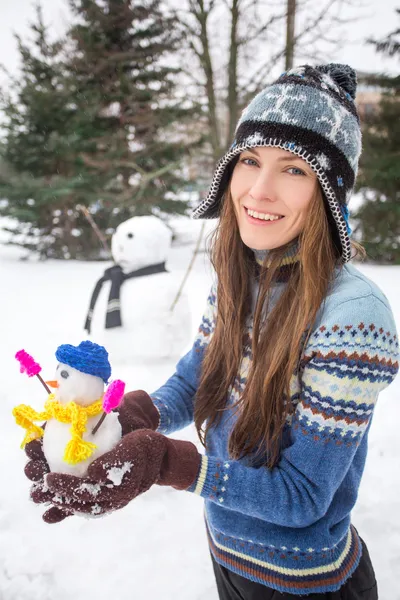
{"type": "Point", "coordinates": [64, 374]}
{"type": "Point", "coordinates": [247, 161]}
{"type": "Point", "coordinates": [297, 171]}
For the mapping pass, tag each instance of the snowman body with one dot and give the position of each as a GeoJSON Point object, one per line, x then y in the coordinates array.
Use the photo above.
{"type": "Point", "coordinates": [57, 435]}
{"type": "Point", "coordinates": [150, 330]}
{"type": "Point", "coordinates": [72, 385]}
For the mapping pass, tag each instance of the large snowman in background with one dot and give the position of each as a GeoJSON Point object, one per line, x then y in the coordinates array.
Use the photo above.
{"type": "Point", "coordinates": [131, 315]}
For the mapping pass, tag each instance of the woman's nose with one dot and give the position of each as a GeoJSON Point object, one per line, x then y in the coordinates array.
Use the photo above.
{"type": "Point", "coordinates": [262, 188]}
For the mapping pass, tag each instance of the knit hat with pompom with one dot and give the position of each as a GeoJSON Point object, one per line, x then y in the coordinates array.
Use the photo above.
{"type": "Point", "coordinates": [310, 112]}
{"type": "Point", "coordinates": [88, 357]}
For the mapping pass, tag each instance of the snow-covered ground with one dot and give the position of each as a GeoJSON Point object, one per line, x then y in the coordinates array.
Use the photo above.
{"type": "Point", "coordinates": [156, 547]}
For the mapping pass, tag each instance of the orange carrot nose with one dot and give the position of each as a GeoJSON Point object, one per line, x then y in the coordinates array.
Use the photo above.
{"type": "Point", "coordinates": [52, 384]}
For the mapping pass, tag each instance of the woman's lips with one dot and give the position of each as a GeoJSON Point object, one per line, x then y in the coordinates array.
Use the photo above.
{"type": "Point", "coordinates": [261, 222]}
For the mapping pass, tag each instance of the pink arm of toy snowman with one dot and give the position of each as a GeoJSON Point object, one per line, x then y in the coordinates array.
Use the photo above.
{"type": "Point", "coordinates": [111, 400]}
{"type": "Point", "coordinates": [30, 367]}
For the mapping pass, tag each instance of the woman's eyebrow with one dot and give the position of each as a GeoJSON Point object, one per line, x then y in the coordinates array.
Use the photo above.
{"type": "Point", "coordinates": [280, 158]}
{"type": "Point", "coordinates": [252, 150]}
{"type": "Point", "coordinates": [291, 157]}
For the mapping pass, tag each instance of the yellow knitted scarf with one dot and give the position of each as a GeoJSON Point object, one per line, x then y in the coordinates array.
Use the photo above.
{"type": "Point", "coordinates": [77, 449]}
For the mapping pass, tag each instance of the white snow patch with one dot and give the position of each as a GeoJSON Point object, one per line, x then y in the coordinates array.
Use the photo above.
{"type": "Point", "coordinates": [116, 474]}
{"type": "Point", "coordinates": [92, 488]}
{"type": "Point", "coordinates": [57, 499]}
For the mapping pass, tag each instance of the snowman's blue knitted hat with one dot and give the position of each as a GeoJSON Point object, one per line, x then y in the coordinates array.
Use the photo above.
{"type": "Point", "coordinates": [310, 112]}
{"type": "Point", "coordinates": [88, 357]}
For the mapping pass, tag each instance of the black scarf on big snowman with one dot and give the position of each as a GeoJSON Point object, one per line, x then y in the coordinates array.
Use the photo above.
{"type": "Point", "coordinates": [129, 310]}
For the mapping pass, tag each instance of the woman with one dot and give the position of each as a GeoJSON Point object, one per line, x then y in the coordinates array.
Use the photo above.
{"type": "Point", "coordinates": [288, 317]}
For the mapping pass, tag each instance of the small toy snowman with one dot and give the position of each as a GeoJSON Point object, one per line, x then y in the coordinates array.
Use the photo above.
{"type": "Point", "coordinates": [74, 436]}
{"type": "Point", "coordinates": [132, 315]}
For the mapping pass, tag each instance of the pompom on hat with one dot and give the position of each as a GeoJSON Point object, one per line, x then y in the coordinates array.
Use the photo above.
{"type": "Point", "coordinates": [310, 112]}
{"type": "Point", "coordinates": [88, 357]}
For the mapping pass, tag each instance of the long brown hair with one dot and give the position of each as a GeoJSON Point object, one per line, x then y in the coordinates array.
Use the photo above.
{"type": "Point", "coordinates": [276, 342]}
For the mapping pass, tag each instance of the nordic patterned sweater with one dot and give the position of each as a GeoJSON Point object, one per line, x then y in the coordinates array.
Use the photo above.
{"type": "Point", "coordinates": [289, 527]}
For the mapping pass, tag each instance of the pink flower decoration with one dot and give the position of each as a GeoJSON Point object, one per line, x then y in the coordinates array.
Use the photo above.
{"type": "Point", "coordinates": [27, 364]}
{"type": "Point", "coordinates": [113, 395]}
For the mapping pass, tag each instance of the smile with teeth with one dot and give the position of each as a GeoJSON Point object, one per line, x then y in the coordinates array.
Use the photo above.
{"type": "Point", "coordinates": [263, 216]}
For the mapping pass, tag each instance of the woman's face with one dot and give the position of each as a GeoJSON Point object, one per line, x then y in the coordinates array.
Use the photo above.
{"type": "Point", "coordinates": [270, 182]}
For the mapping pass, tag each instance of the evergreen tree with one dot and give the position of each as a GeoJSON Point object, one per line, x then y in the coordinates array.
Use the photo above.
{"type": "Point", "coordinates": [38, 176]}
{"type": "Point", "coordinates": [93, 121]}
{"type": "Point", "coordinates": [132, 125]}
{"type": "Point", "coordinates": [379, 179]}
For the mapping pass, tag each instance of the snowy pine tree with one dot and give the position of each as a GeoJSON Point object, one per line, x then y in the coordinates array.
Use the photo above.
{"type": "Point", "coordinates": [94, 120]}
{"type": "Point", "coordinates": [38, 178]}
{"type": "Point", "coordinates": [128, 112]}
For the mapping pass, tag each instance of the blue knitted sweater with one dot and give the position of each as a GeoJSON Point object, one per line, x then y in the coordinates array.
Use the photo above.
{"type": "Point", "coordinates": [289, 527]}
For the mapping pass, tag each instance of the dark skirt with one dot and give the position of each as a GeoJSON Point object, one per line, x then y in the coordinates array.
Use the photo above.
{"type": "Point", "coordinates": [360, 586]}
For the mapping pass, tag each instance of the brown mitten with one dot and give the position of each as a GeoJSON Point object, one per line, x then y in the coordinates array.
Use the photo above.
{"type": "Point", "coordinates": [137, 411]}
{"type": "Point", "coordinates": [35, 470]}
{"type": "Point", "coordinates": [139, 460]}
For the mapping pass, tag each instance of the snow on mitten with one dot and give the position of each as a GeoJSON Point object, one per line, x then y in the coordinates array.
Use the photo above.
{"type": "Point", "coordinates": [137, 411]}
{"type": "Point", "coordinates": [139, 460]}
{"type": "Point", "coordinates": [35, 470]}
